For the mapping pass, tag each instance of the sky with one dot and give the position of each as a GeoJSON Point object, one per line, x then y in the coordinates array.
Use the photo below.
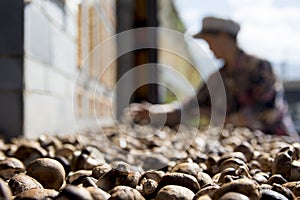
{"type": "Point", "coordinates": [269, 28]}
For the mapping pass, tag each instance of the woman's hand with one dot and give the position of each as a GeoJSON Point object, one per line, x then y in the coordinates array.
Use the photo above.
{"type": "Point", "coordinates": [240, 119]}
{"type": "Point", "coordinates": [139, 113]}
{"type": "Point", "coordinates": [156, 115]}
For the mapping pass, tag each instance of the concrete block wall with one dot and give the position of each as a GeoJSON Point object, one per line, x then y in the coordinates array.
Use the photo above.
{"type": "Point", "coordinates": [43, 44]}
{"type": "Point", "coordinates": [55, 46]}
{"type": "Point", "coordinates": [49, 67]}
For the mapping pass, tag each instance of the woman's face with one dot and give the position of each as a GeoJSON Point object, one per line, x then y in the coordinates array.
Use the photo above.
{"type": "Point", "coordinates": [216, 44]}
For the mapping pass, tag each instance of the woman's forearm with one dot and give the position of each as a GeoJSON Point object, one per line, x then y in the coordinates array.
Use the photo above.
{"type": "Point", "coordinates": [165, 114]}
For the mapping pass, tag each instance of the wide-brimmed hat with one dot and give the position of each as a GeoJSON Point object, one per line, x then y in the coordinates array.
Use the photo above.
{"type": "Point", "coordinates": [214, 25]}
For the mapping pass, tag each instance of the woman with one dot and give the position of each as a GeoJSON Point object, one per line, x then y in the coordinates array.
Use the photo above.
{"type": "Point", "coordinates": [254, 97]}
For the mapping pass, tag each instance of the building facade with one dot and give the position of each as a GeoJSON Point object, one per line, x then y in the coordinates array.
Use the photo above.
{"type": "Point", "coordinates": [60, 62]}
{"type": "Point", "coordinates": [50, 72]}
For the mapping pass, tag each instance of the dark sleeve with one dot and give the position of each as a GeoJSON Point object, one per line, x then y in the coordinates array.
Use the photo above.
{"type": "Point", "coordinates": [202, 98]}
{"type": "Point", "coordinates": [263, 84]}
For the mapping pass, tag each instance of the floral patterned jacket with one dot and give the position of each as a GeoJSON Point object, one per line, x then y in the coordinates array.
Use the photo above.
{"type": "Point", "coordinates": [253, 91]}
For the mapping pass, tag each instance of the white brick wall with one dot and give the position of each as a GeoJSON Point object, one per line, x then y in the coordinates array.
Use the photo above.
{"type": "Point", "coordinates": [37, 34]}
{"type": "Point", "coordinates": [54, 12]}
{"type": "Point", "coordinates": [35, 75]}
{"type": "Point", "coordinates": [50, 71]}
{"type": "Point", "coordinates": [55, 82]}
{"type": "Point", "coordinates": [46, 113]}
{"type": "Point", "coordinates": [63, 51]}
